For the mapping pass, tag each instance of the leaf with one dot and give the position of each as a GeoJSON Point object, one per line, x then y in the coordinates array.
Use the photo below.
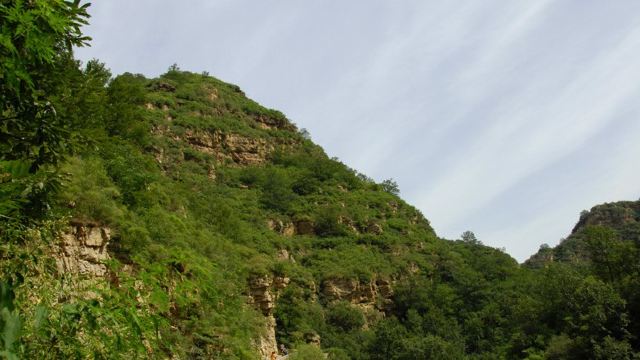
{"type": "Point", "coordinates": [40, 317]}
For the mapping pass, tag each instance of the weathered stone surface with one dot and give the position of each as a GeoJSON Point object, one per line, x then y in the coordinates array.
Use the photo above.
{"type": "Point", "coordinates": [340, 289]}
{"type": "Point", "coordinates": [266, 342]}
{"type": "Point", "coordinates": [236, 148]}
{"type": "Point", "coordinates": [283, 255]}
{"type": "Point", "coordinates": [288, 230]}
{"type": "Point", "coordinates": [384, 288]}
{"type": "Point", "coordinates": [260, 293]}
{"type": "Point", "coordinates": [263, 292]}
{"type": "Point", "coordinates": [213, 94]}
{"type": "Point", "coordinates": [280, 282]}
{"type": "Point", "coordinates": [348, 223]}
{"type": "Point", "coordinates": [281, 227]}
{"type": "Point", "coordinates": [268, 123]}
{"type": "Point", "coordinates": [365, 294]}
{"type": "Point", "coordinates": [393, 205]}
{"type": "Point", "coordinates": [375, 228]}
{"type": "Point", "coordinates": [83, 250]}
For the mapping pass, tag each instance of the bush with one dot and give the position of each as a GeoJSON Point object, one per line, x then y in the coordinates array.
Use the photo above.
{"type": "Point", "coordinates": [307, 352]}
{"type": "Point", "coordinates": [344, 316]}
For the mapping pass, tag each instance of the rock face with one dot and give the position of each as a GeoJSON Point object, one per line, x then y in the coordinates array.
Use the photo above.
{"type": "Point", "coordinates": [364, 294]}
{"type": "Point", "coordinates": [349, 224]}
{"type": "Point", "coordinates": [268, 123]}
{"type": "Point", "coordinates": [281, 227]}
{"type": "Point", "coordinates": [375, 228]}
{"type": "Point", "coordinates": [230, 147]}
{"type": "Point", "coordinates": [83, 250]}
{"type": "Point", "coordinates": [263, 292]}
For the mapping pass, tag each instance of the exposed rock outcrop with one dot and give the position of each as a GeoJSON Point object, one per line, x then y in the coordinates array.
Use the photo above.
{"type": "Point", "coordinates": [266, 122]}
{"type": "Point", "coordinates": [349, 224]}
{"type": "Point", "coordinates": [282, 227]}
{"type": "Point", "coordinates": [263, 293]}
{"type": "Point", "coordinates": [284, 255]}
{"type": "Point", "coordinates": [83, 250]}
{"type": "Point", "coordinates": [230, 147]}
{"type": "Point", "coordinates": [375, 228]}
{"type": "Point", "coordinates": [373, 294]}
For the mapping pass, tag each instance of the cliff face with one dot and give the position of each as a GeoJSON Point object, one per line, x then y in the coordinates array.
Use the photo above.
{"type": "Point", "coordinates": [263, 294]}
{"type": "Point", "coordinates": [373, 294]}
{"type": "Point", "coordinates": [83, 250]}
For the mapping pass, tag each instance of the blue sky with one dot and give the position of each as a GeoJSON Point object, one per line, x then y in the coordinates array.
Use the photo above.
{"type": "Point", "coordinates": [506, 118]}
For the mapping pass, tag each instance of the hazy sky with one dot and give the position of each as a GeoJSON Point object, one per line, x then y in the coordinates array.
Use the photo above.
{"type": "Point", "coordinates": [506, 118]}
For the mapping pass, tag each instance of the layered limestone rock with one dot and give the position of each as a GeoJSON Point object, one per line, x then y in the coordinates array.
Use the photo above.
{"type": "Point", "coordinates": [269, 123]}
{"type": "Point", "coordinates": [230, 147]}
{"type": "Point", "coordinates": [263, 293]}
{"type": "Point", "coordinates": [373, 294]}
{"type": "Point", "coordinates": [83, 250]}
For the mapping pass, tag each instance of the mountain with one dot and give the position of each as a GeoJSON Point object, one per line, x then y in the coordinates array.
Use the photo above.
{"type": "Point", "coordinates": [174, 218]}
{"type": "Point", "coordinates": [622, 219]}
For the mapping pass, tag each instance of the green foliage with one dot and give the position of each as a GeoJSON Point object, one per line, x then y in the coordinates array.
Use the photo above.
{"type": "Point", "coordinates": [344, 316]}
{"type": "Point", "coordinates": [611, 257]}
{"type": "Point", "coordinates": [307, 352]}
{"type": "Point", "coordinates": [125, 95]}
{"type": "Point", "coordinates": [90, 192]}
{"type": "Point", "coordinates": [34, 37]}
{"type": "Point", "coordinates": [390, 186]}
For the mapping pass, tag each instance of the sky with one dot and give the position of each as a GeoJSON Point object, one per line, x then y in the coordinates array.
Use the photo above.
{"type": "Point", "coordinates": [506, 118]}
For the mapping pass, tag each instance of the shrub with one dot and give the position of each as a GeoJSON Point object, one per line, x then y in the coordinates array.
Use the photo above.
{"type": "Point", "coordinates": [345, 316]}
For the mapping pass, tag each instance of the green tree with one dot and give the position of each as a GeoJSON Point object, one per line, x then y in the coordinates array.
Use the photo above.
{"type": "Point", "coordinates": [390, 186]}
{"type": "Point", "coordinates": [34, 36]}
{"type": "Point", "coordinates": [470, 237]}
{"type": "Point", "coordinates": [611, 257]}
{"type": "Point", "coordinates": [36, 40]}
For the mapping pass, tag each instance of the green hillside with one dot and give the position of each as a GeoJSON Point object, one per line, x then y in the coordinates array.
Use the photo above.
{"type": "Point", "coordinates": [616, 223]}
{"type": "Point", "coordinates": [174, 218]}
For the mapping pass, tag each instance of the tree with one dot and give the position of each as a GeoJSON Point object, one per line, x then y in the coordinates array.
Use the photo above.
{"type": "Point", "coordinates": [390, 186]}
{"type": "Point", "coordinates": [35, 35]}
{"type": "Point", "coordinates": [305, 134]}
{"type": "Point", "coordinates": [470, 237]}
{"type": "Point", "coordinates": [611, 258]}
{"type": "Point", "coordinates": [36, 40]}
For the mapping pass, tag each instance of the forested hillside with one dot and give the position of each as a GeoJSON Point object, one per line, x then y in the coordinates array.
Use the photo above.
{"type": "Point", "coordinates": [174, 218]}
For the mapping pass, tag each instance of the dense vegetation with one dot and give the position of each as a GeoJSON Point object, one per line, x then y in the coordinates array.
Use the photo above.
{"type": "Point", "coordinates": [205, 191]}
